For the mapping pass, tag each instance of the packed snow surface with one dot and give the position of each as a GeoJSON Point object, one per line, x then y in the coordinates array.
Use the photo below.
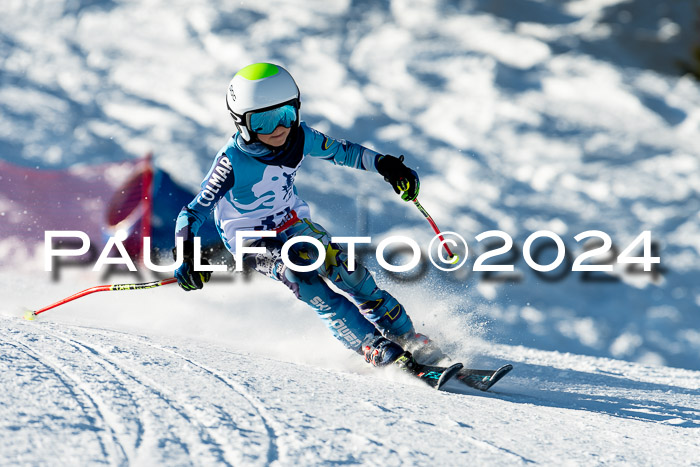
{"type": "Point", "coordinates": [520, 116]}
{"type": "Point", "coordinates": [86, 395]}
{"type": "Point", "coordinates": [161, 377]}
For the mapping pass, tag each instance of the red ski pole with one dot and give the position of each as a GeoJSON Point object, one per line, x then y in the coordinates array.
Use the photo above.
{"type": "Point", "coordinates": [30, 315]}
{"type": "Point", "coordinates": [453, 257]}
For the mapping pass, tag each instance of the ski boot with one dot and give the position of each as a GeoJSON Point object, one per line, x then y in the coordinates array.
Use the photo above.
{"type": "Point", "coordinates": [380, 351]}
{"type": "Point", "coordinates": [422, 348]}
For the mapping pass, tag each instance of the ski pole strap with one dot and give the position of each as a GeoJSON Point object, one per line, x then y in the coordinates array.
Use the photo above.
{"type": "Point", "coordinates": [103, 288]}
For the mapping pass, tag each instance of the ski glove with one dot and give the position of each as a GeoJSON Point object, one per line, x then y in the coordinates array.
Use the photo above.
{"type": "Point", "coordinates": [187, 278]}
{"type": "Point", "coordinates": [403, 180]}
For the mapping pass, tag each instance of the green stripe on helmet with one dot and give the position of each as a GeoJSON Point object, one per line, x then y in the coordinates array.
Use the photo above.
{"type": "Point", "coordinates": [258, 71]}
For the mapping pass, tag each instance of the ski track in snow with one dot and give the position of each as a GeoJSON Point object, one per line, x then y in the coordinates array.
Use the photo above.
{"type": "Point", "coordinates": [272, 448]}
{"type": "Point", "coordinates": [86, 395]}
{"type": "Point", "coordinates": [130, 402]}
{"type": "Point", "coordinates": [91, 411]}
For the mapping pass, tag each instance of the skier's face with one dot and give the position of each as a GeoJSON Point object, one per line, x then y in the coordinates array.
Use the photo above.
{"type": "Point", "coordinates": [276, 138]}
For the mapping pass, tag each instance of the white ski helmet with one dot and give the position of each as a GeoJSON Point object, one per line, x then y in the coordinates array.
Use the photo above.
{"type": "Point", "coordinates": [259, 87]}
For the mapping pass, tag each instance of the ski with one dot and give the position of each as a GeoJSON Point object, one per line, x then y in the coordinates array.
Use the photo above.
{"type": "Point", "coordinates": [482, 379]}
{"type": "Point", "coordinates": [433, 376]}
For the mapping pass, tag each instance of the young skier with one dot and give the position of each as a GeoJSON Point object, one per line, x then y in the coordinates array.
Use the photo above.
{"type": "Point", "coordinates": [250, 186]}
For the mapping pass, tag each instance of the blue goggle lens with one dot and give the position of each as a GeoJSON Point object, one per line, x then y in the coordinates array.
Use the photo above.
{"type": "Point", "coordinates": [265, 122]}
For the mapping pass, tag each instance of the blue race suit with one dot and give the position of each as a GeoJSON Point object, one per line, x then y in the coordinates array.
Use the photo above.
{"type": "Point", "coordinates": [251, 187]}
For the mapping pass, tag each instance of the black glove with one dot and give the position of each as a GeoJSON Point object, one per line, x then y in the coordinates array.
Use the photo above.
{"type": "Point", "coordinates": [187, 278]}
{"type": "Point", "coordinates": [402, 179]}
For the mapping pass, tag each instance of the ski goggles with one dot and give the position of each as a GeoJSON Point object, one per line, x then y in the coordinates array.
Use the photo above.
{"type": "Point", "coordinates": [265, 122]}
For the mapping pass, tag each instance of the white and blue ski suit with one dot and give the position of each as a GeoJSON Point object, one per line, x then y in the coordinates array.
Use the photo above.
{"type": "Point", "coordinates": [251, 187]}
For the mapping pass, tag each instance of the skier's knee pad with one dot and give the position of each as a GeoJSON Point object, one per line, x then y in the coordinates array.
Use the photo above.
{"type": "Point", "coordinates": [301, 254]}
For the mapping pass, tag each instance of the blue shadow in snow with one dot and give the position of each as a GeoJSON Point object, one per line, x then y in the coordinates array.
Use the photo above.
{"type": "Point", "coordinates": [610, 394]}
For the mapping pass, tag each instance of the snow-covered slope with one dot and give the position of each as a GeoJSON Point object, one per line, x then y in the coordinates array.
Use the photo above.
{"type": "Point", "coordinates": [86, 395]}
{"type": "Point", "coordinates": [160, 377]}
{"type": "Point", "coordinates": [520, 116]}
